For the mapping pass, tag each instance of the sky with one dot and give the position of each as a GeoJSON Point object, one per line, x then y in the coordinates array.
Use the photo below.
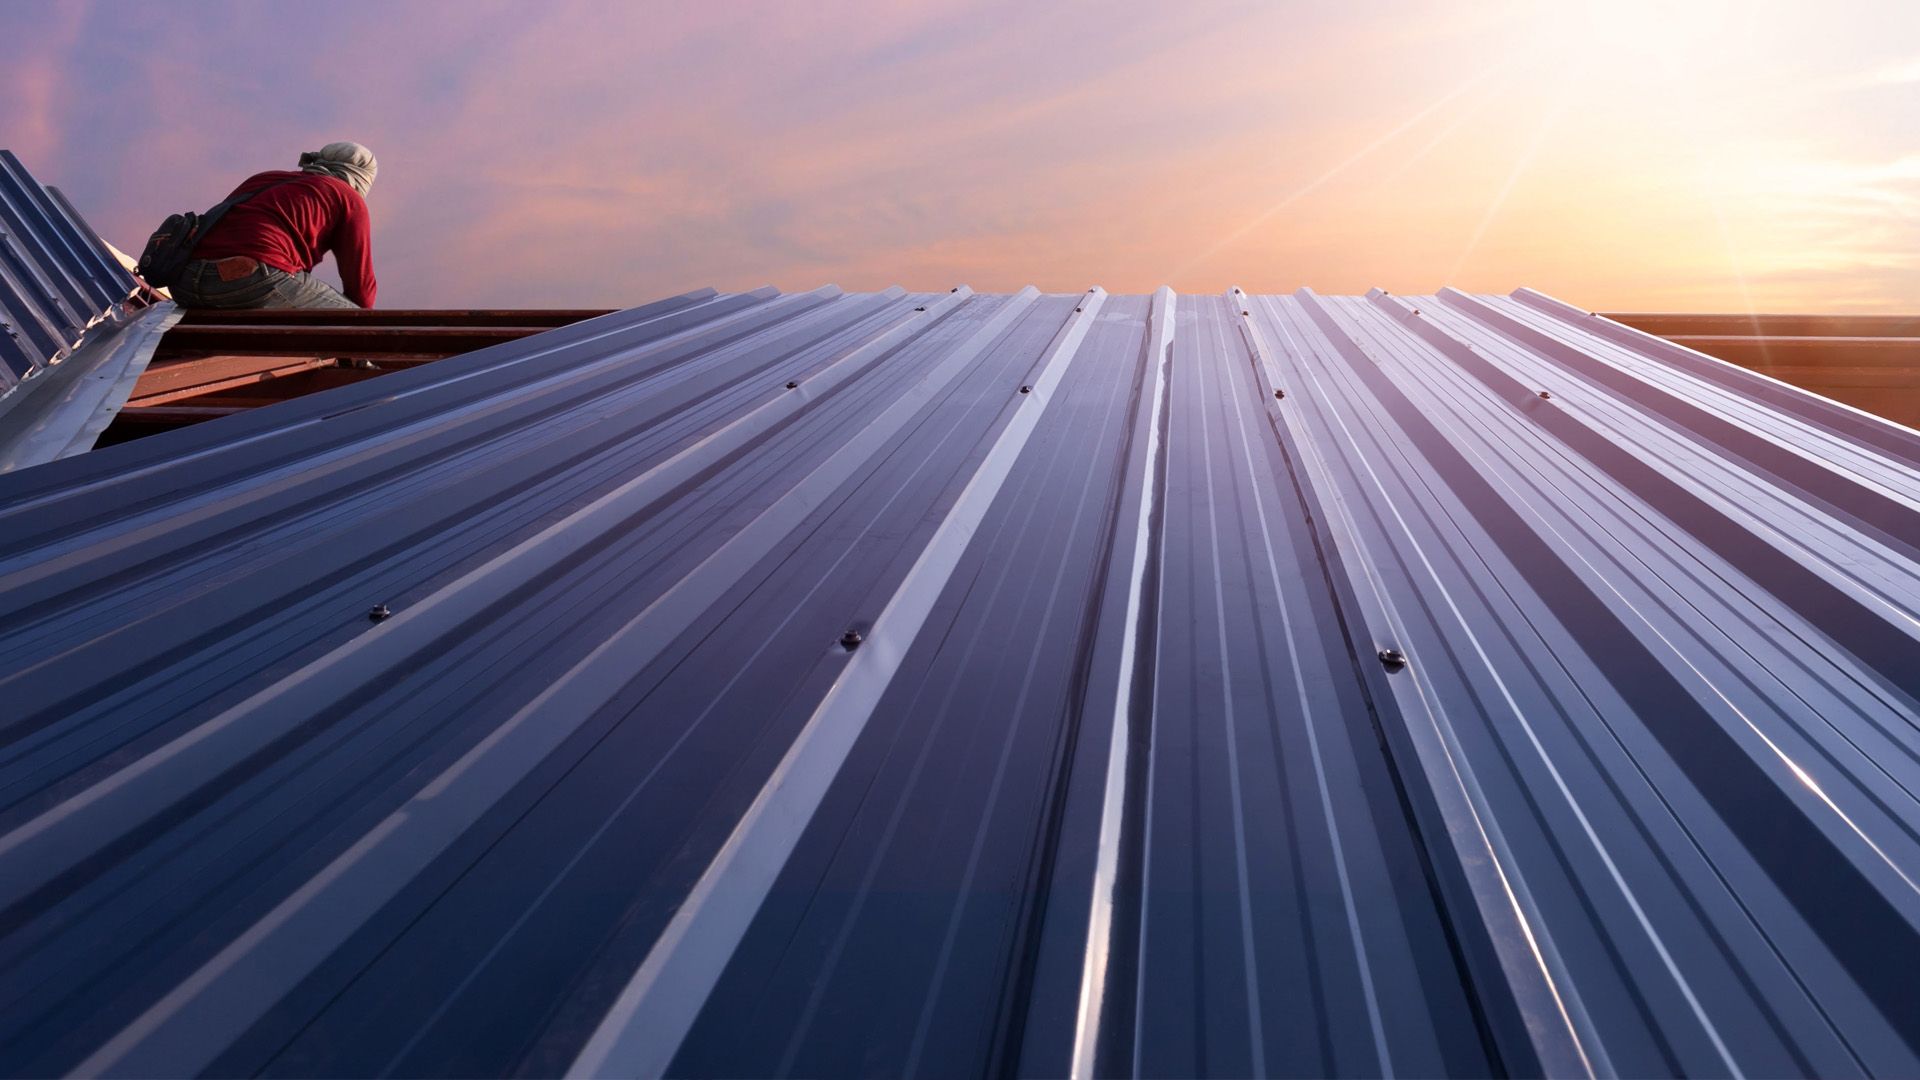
{"type": "Point", "coordinates": [1705, 155]}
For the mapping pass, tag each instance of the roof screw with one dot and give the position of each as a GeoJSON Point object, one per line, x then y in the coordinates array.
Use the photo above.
{"type": "Point", "coordinates": [1079, 309]}
{"type": "Point", "coordinates": [1246, 313]}
{"type": "Point", "coordinates": [1026, 389]}
{"type": "Point", "coordinates": [1393, 658]}
{"type": "Point", "coordinates": [956, 288]}
{"type": "Point", "coordinates": [921, 308]}
{"type": "Point", "coordinates": [1546, 395]}
{"type": "Point", "coordinates": [1278, 393]}
{"type": "Point", "coordinates": [379, 612]}
{"type": "Point", "coordinates": [793, 386]}
{"type": "Point", "coordinates": [850, 640]}
{"type": "Point", "coordinates": [1416, 311]}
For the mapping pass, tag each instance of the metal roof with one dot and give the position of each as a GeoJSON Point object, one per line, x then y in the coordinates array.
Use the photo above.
{"type": "Point", "coordinates": [71, 347]}
{"type": "Point", "coordinates": [56, 277]}
{"type": "Point", "coordinates": [901, 682]}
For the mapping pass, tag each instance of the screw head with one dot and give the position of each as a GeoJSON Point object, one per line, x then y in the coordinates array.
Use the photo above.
{"type": "Point", "coordinates": [1246, 313]}
{"type": "Point", "coordinates": [921, 308]}
{"type": "Point", "coordinates": [851, 640]}
{"type": "Point", "coordinates": [1394, 659]}
{"type": "Point", "coordinates": [1546, 395]}
{"type": "Point", "coordinates": [1026, 389]}
{"type": "Point", "coordinates": [793, 386]}
{"type": "Point", "coordinates": [1278, 393]}
{"type": "Point", "coordinates": [380, 611]}
{"type": "Point", "coordinates": [1079, 309]}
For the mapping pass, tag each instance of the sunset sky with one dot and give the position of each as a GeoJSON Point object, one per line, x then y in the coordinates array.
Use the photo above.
{"type": "Point", "coordinates": [1619, 154]}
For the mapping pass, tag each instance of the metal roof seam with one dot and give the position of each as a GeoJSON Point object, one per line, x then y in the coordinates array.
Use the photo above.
{"type": "Point", "coordinates": [1091, 1005]}
{"type": "Point", "coordinates": [1870, 507]}
{"type": "Point", "coordinates": [767, 684]}
{"type": "Point", "coordinates": [1534, 973]}
{"type": "Point", "coordinates": [681, 970]}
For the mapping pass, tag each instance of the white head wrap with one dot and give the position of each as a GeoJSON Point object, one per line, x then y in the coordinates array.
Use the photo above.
{"type": "Point", "coordinates": [348, 161]}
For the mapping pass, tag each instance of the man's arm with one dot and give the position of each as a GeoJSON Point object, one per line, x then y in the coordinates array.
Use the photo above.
{"type": "Point", "coordinates": [353, 251]}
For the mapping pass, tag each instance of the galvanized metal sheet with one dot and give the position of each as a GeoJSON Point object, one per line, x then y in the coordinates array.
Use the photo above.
{"type": "Point", "coordinates": [63, 410]}
{"type": "Point", "coordinates": [937, 682]}
{"type": "Point", "coordinates": [70, 347]}
{"type": "Point", "coordinates": [56, 276]}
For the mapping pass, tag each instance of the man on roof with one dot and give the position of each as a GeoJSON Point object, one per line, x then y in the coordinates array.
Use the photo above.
{"type": "Point", "coordinates": [262, 251]}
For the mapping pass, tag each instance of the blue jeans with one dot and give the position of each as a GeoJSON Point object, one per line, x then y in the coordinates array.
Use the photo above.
{"type": "Point", "coordinates": [228, 283]}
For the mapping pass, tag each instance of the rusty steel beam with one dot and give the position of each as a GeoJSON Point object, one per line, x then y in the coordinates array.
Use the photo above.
{"type": "Point", "coordinates": [1871, 362]}
{"type": "Point", "coordinates": [172, 380]}
{"type": "Point", "coordinates": [547, 318]}
{"type": "Point", "coordinates": [1827, 376]}
{"type": "Point", "coordinates": [1670, 324]}
{"type": "Point", "coordinates": [170, 416]}
{"type": "Point", "coordinates": [358, 341]}
{"type": "Point", "coordinates": [1762, 353]}
{"type": "Point", "coordinates": [1900, 404]}
{"type": "Point", "coordinates": [301, 383]}
{"type": "Point", "coordinates": [218, 363]}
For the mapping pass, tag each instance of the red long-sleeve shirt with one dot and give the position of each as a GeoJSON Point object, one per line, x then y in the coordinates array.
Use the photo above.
{"type": "Point", "coordinates": [294, 225]}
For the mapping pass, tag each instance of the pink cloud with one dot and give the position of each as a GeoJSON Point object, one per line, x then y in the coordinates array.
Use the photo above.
{"type": "Point", "coordinates": [31, 84]}
{"type": "Point", "coordinates": [588, 153]}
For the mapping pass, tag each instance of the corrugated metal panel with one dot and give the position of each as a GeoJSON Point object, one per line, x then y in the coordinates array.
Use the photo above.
{"type": "Point", "coordinates": [61, 411]}
{"type": "Point", "coordinates": [70, 346]}
{"type": "Point", "coordinates": [56, 276]}
{"type": "Point", "coordinates": [948, 683]}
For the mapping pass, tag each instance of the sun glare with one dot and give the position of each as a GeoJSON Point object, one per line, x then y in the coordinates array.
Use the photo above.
{"type": "Point", "coordinates": [1615, 45]}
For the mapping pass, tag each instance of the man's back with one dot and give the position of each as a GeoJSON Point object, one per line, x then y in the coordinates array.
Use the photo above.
{"type": "Point", "coordinates": [292, 222]}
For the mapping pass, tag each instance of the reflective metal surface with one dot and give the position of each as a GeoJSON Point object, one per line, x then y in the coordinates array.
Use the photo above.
{"type": "Point", "coordinates": [70, 347]}
{"type": "Point", "coordinates": [945, 683]}
{"type": "Point", "coordinates": [56, 277]}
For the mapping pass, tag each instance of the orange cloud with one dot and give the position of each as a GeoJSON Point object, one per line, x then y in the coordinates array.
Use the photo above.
{"type": "Point", "coordinates": [593, 154]}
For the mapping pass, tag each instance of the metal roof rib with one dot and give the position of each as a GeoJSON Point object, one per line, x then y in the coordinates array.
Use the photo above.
{"type": "Point", "coordinates": [70, 344]}
{"type": "Point", "coordinates": [893, 682]}
{"type": "Point", "coordinates": [61, 278]}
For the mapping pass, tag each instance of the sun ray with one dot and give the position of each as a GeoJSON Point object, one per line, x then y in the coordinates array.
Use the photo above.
{"type": "Point", "coordinates": [1735, 264]}
{"type": "Point", "coordinates": [1359, 155]}
{"type": "Point", "coordinates": [1532, 150]}
{"type": "Point", "coordinates": [1460, 119]}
